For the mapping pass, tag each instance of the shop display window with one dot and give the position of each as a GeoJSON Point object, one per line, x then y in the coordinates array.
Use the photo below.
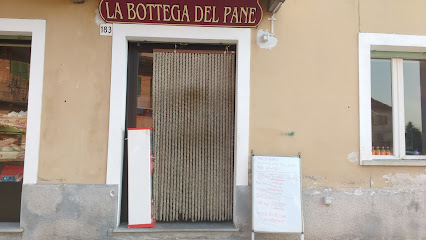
{"type": "Point", "coordinates": [398, 105]}
{"type": "Point", "coordinates": [14, 85]}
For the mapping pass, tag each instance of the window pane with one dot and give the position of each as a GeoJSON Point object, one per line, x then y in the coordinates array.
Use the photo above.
{"type": "Point", "coordinates": [381, 106]}
{"type": "Point", "coordinates": [414, 103]}
{"type": "Point", "coordinates": [144, 104]}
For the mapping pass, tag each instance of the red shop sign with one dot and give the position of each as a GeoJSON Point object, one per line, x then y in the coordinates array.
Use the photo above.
{"type": "Point", "coordinates": [230, 13]}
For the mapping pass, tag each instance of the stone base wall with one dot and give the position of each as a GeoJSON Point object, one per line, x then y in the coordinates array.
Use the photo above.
{"type": "Point", "coordinates": [89, 212]}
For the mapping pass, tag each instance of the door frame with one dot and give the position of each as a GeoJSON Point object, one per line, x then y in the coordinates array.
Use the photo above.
{"type": "Point", "coordinates": [122, 34]}
{"type": "Point", "coordinates": [37, 30]}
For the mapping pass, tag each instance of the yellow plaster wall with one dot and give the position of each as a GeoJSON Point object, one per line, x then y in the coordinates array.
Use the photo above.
{"type": "Point", "coordinates": [307, 86]}
{"type": "Point", "coordinates": [304, 92]}
{"type": "Point", "coordinates": [74, 129]}
{"type": "Point", "coordinates": [393, 16]}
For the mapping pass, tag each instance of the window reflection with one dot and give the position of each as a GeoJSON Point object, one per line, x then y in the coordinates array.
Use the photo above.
{"type": "Point", "coordinates": [381, 107]}
{"type": "Point", "coordinates": [144, 101]}
{"type": "Point", "coordinates": [414, 104]}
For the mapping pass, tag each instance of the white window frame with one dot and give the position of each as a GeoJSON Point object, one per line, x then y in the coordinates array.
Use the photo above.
{"type": "Point", "coordinates": [123, 33]}
{"type": "Point", "coordinates": [385, 42]}
{"type": "Point", "coordinates": [37, 30]}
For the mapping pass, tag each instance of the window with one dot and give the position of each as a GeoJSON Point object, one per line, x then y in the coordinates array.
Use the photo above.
{"type": "Point", "coordinates": [22, 61]}
{"type": "Point", "coordinates": [392, 99]}
{"type": "Point", "coordinates": [14, 86]}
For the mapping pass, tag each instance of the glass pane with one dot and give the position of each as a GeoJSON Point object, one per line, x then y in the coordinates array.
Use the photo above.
{"type": "Point", "coordinates": [14, 83]}
{"type": "Point", "coordinates": [414, 103]}
{"type": "Point", "coordinates": [144, 102]}
{"type": "Point", "coordinates": [381, 106]}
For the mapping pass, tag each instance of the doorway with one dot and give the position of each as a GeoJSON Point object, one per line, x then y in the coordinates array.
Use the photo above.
{"type": "Point", "coordinates": [186, 93]}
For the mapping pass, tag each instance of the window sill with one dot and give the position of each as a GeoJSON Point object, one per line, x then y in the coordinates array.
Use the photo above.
{"type": "Point", "coordinates": [181, 227]}
{"type": "Point", "coordinates": [387, 162]}
{"type": "Point", "coordinates": [10, 227]}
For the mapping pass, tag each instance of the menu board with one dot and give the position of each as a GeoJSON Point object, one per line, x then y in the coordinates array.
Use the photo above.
{"type": "Point", "coordinates": [276, 189]}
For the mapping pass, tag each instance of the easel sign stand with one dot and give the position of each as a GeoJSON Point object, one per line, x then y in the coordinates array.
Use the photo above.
{"type": "Point", "coordinates": [277, 195]}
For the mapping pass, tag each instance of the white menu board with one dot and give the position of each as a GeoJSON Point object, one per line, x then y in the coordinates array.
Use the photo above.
{"type": "Point", "coordinates": [276, 189]}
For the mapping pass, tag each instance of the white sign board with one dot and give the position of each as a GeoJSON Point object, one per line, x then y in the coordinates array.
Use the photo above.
{"type": "Point", "coordinates": [276, 189]}
{"type": "Point", "coordinates": [140, 178]}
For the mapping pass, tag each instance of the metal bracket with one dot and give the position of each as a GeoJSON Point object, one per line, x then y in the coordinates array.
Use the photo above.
{"type": "Point", "coordinates": [266, 36]}
{"type": "Point", "coordinates": [274, 5]}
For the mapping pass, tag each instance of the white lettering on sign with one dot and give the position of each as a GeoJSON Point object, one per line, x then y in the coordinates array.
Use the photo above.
{"type": "Point", "coordinates": [276, 194]}
{"type": "Point", "coordinates": [105, 29]}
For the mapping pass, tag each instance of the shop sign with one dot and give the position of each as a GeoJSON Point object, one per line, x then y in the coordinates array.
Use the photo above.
{"type": "Point", "coordinates": [235, 13]}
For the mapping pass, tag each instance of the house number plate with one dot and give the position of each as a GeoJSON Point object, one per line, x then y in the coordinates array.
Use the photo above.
{"type": "Point", "coordinates": [105, 29]}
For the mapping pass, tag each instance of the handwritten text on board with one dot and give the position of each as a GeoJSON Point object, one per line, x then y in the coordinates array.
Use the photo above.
{"type": "Point", "coordinates": [276, 194]}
